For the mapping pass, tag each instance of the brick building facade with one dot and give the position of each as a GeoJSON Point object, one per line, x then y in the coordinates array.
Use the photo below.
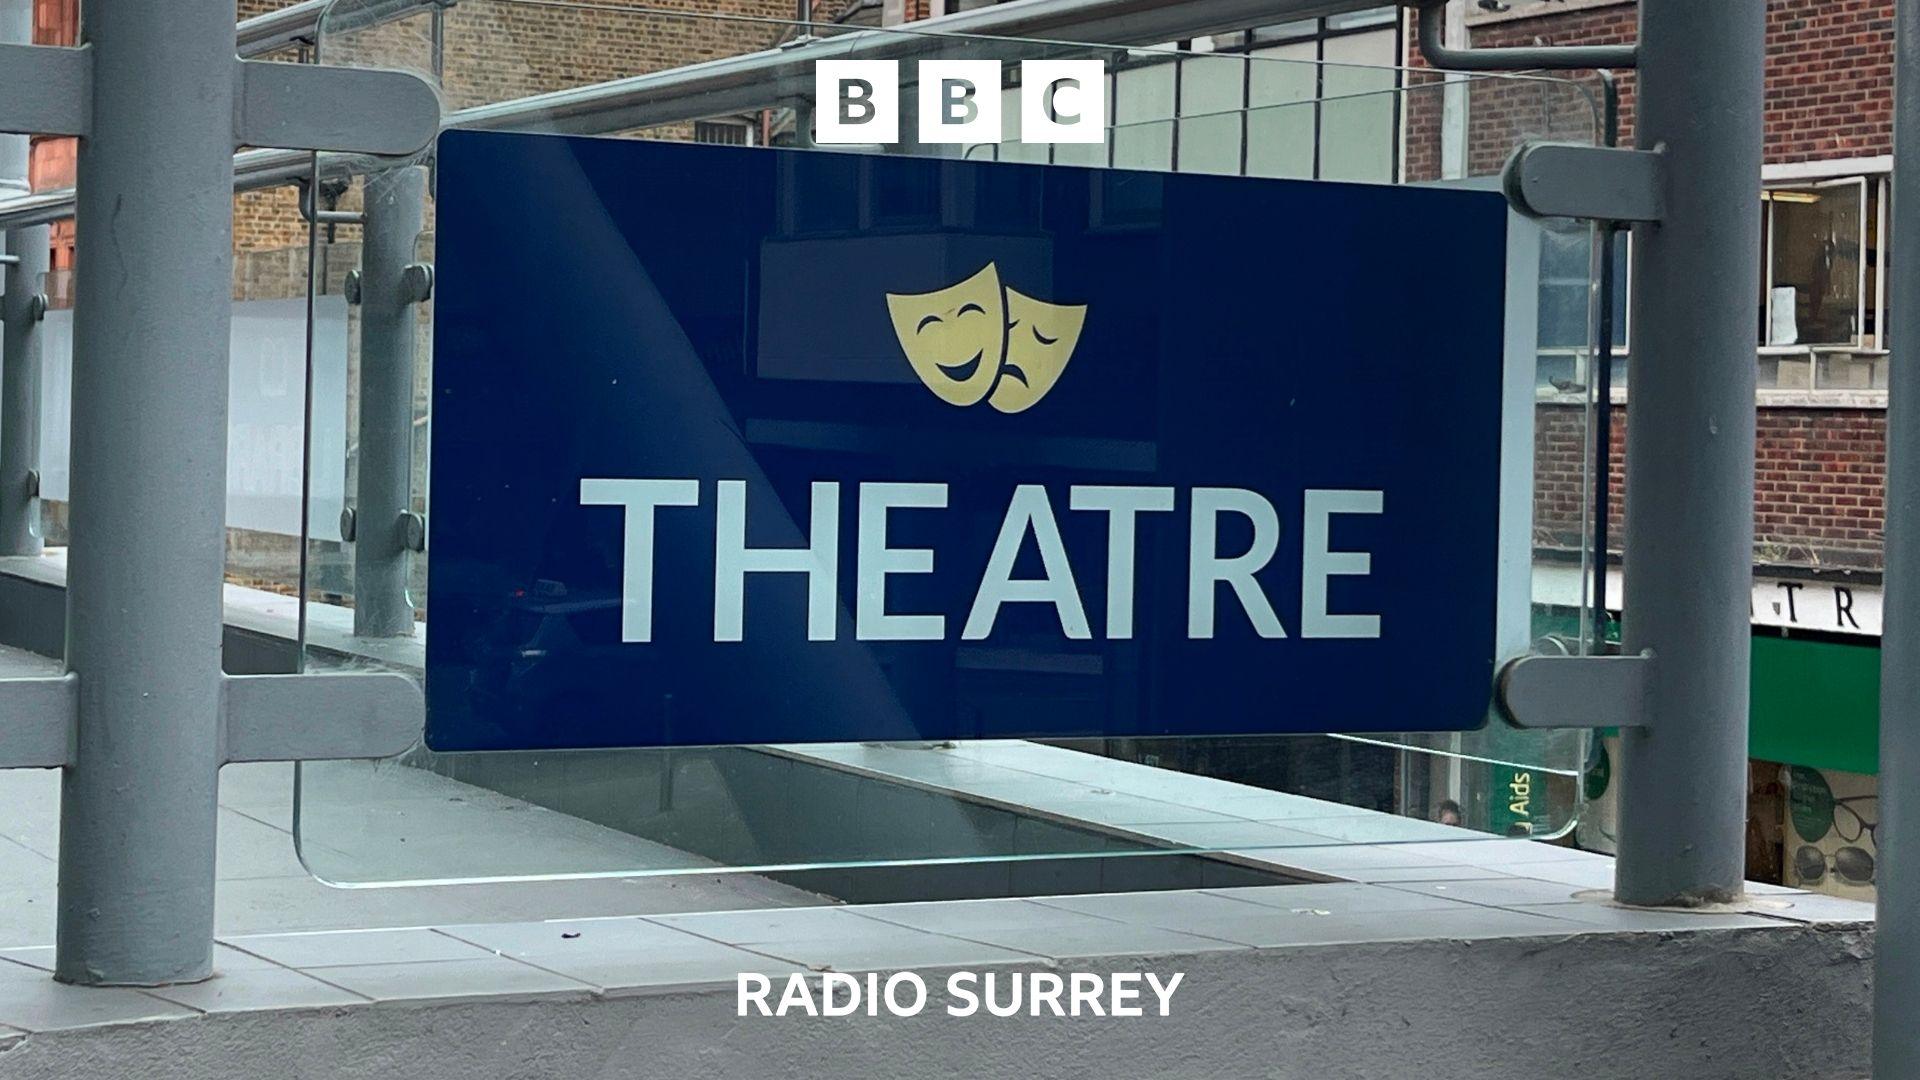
{"type": "Point", "coordinates": [1821, 448]}
{"type": "Point", "coordinates": [1819, 508]}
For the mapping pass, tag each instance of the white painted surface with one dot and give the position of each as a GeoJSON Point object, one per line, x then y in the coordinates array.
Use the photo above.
{"type": "Point", "coordinates": [1835, 604]}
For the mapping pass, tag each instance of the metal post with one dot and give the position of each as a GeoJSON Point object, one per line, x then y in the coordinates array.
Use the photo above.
{"type": "Point", "coordinates": [16, 28]}
{"type": "Point", "coordinates": [149, 460]}
{"type": "Point", "coordinates": [19, 352]}
{"type": "Point", "coordinates": [395, 203]}
{"type": "Point", "coordinates": [1604, 234]}
{"type": "Point", "coordinates": [1690, 436]}
{"type": "Point", "coordinates": [21, 308]}
{"type": "Point", "coordinates": [1896, 949]}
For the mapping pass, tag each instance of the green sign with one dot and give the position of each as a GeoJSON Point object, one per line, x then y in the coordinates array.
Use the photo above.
{"type": "Point", "coordinates": [1816, 703]}
{"type": "Point", "coordinates": [1809, 803]}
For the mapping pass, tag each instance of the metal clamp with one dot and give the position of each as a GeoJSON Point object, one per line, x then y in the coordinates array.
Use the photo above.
{"type": "Point", "coordinates": [37, 307]}
{"type": "Point", "coordinates": [313, 107]}
{"type": "Point", "coordinates": [367, 714]}
{"type": "Point", "coordinates": [351, 287]}
{"type": "Point", "coordinates": [329, 215]}
{"type": "Point", "coordinates": [1576, 691]}
{"type": "Point", "coordinates": [333, 715]}
{"type": "Point", "coordinates": [416, 282]}
{"type": "Point", "coordinates": [349, 524]}
{"type": "Point", "coordinates": [46, 89]}
{"type": "Point", "coordinates": [33, 483]}
{"type": "Point", "coordinates": [413, 531]}
{"type": "Point", "coordinates": [1544, 179]}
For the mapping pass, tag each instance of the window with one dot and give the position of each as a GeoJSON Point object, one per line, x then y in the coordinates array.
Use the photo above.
{"type": "Point", "coordinates": [1566, 288]}
{"type": "Point", "coordinates": [56, 22]}
{"type": "Point", "coordinates": [723, 132]}
{"type": "Point", "coordinates": [1322, 98]}
{"type": "Point", "coordinates": [1311, 99]}
{"type": "Point", "coordinates": [1568, 306]}
{"type": "Point", "coordinates": [1821, 265]}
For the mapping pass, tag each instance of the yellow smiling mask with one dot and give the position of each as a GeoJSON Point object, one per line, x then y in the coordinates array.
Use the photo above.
{"type": "Point", "coordinates": [955, 338]}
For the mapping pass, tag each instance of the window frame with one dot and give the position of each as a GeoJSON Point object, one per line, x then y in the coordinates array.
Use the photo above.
{"type": "Point", "coordinates": [1244, 44]}
{"type": "Point", "coordinates": [1872, 196]}
{"type": "Point", "coordinates": [1621, 346]}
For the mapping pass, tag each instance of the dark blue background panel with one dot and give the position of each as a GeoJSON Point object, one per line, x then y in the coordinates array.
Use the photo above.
{"type": "Point", "coordinates": [785, 341]}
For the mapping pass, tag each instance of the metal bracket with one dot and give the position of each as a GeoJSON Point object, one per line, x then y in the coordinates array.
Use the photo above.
{"type": "Point", "coordinates": [45, 89]}
{"type": "Point", "coordinates": [33, 483]}
{"type": "Point", "coordinates": [316, 717]}
{"type": "Point", "coordinates": [416, 282]}
{"type": "Point", "coordinates": [314, 107]}
{"type": "Point", "coordinates": [37, 731]}
{"type": "Point", "coordinates": [1544, 179]}
{"type": "Point", "coordinates": [37, 307]}
{"type": "Point", "coordinates": [321, 216]}
{"type": "Point", "coordinates": [48, 90]}
{"type": "Point", "coordinates": [349, 524]}
{"type": "Point", "coordinates": [336, 714]}
{"type": "Point", "coordinates": [1576, 691]}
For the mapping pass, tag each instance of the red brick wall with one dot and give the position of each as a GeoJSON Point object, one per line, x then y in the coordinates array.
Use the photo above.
{"type": "Point", "coordinates": [1559, 458]}
{"type": "Point", "coordinates": [1502, 111]}
{"type": "Point", "coordinates": [1818, 492]}
{"type": "Point", "coordinates": [1829, 81]}
{"type": "Point", "coordinates": [1821, 471]}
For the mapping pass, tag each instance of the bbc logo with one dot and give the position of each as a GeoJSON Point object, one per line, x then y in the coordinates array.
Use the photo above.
{"type": "Point", "coordinates": [959, 101]}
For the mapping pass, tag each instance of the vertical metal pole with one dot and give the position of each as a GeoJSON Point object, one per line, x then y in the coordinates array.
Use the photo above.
{"type": "Point", "coordinates": [21, 308]}
{"type": "Point", "coordinates": [1896, 949]}
{"type": "Point", "coordinates": [1604, 234]}
{"type": "Point", "coordinates": [395, 205]}
{"type": "Point", "coordinates": [1690, 435]}
{"type": "Point", "coordinates": [149, 459]}
{"type": "Point", "coordinates": [19, 353]}
{"type": "Point", "coordinates": [16, 28]}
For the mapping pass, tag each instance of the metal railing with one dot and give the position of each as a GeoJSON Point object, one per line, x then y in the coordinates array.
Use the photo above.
{"type": "Point", "coordinates": [748, 81]}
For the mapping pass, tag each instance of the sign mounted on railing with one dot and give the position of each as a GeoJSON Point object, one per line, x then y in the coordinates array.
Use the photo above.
{"type": "Point", "coordinates": [761, 446]}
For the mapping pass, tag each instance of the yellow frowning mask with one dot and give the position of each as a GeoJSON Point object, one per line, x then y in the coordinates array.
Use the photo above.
{"type": "Point", "coordinates": [1040, 341]}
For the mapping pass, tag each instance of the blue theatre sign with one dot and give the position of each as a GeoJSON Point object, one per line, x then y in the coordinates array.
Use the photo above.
{"type": "Point", "coordinates": [757, 446]}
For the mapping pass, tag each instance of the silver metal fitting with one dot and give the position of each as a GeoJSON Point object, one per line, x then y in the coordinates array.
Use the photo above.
{"type": "Point", "coordinates": [416, 282]}
{"type": "Point", "coordinates": [413, 530]}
